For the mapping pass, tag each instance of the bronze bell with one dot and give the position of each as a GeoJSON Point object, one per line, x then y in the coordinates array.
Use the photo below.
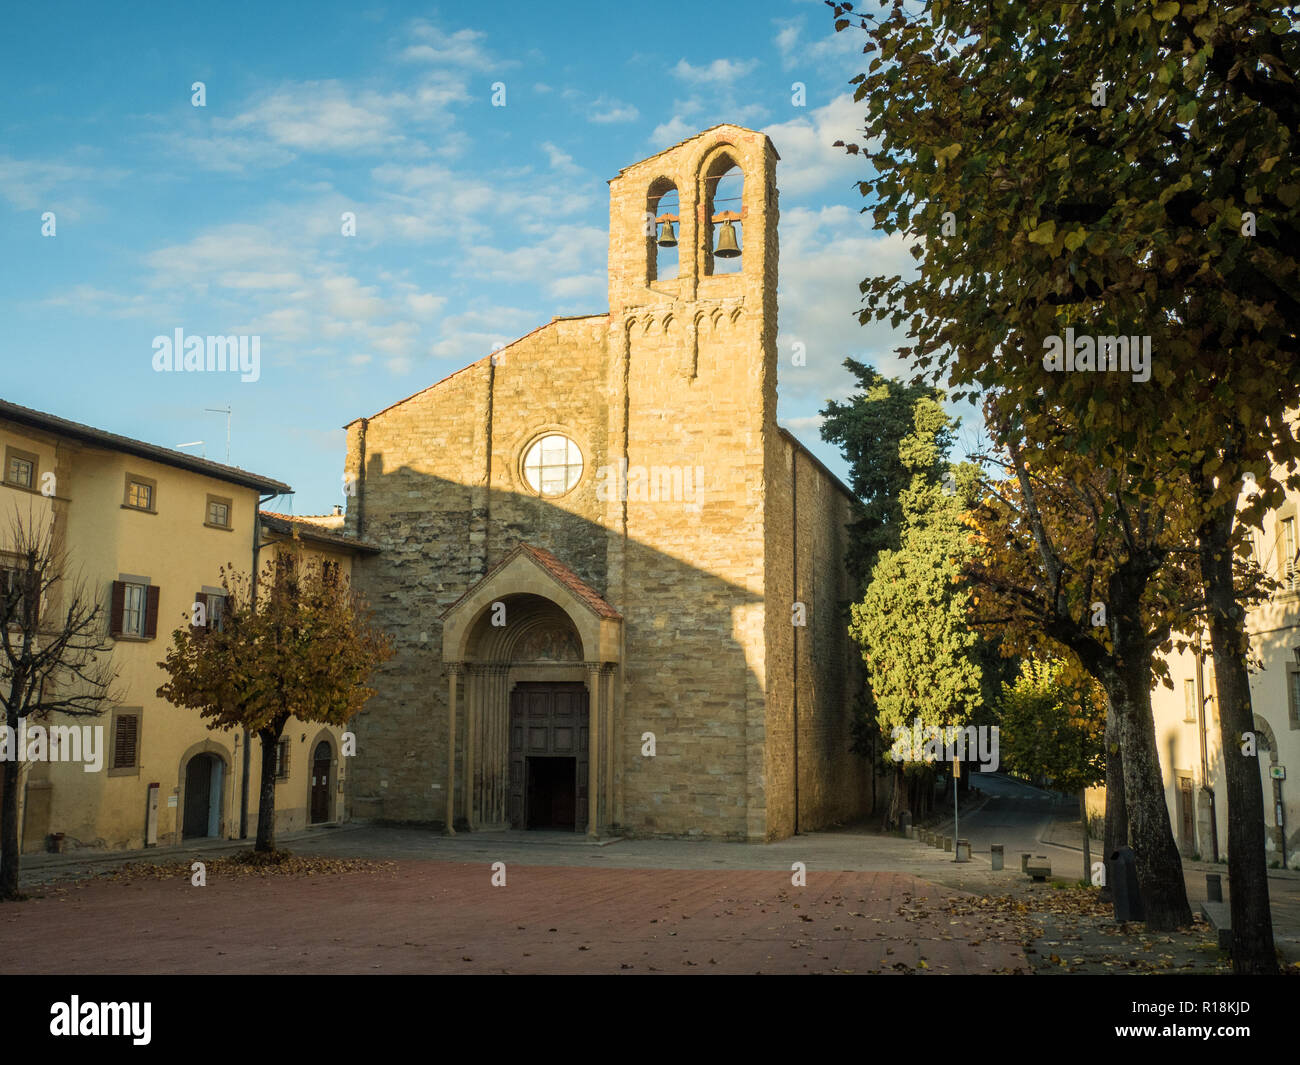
{"type": "Point", "coordinates": [666, 238]}
{"type": "Point", "coordinates": [727, 247]}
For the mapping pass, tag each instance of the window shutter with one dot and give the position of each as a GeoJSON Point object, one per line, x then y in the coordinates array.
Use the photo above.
{"type": "Point", "coordinates": [117, 608]}
{"type": "Point", "coordinates": [201, 597]}
{"type": "Point", "coordinates": [151, 612]}
{"type": "Point", "coordinates": [125, 741]}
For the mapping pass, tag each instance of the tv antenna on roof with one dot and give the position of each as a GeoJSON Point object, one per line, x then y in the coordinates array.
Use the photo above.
{"type": "Point", "coordinates": [226, 411]}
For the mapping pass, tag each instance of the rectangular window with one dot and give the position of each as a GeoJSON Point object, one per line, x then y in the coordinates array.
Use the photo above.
{"type": "Point", "coordinates": [216, 612]}
{"type": "Point", "coordinates": [1288, 574]}
{"type": "Point", "coordinates": [141, 493]}
{"type": "Point", "coordinates": [1293, 693]}
{"type": "Point", "coordinates": [282, 760]}
{"type": "Point", "coordinates": [218, 513]}
{"type": "Point", "coordinates": [126, 741]}
{"type": "Point", "coordinates": [133, 610]}
{"type": "Point", "coordinates": [12, 580]}
{"type": "Point", "coordinates": [1189, 700]}
{"type": "Point", "coordinates": [20, 468]}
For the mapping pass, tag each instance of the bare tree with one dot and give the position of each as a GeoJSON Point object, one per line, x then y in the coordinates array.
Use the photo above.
{"type": "Point", "coordinates": [55, 655]}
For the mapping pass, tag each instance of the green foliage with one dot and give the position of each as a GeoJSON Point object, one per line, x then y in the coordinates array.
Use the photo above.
{"type": "Point", "coordinates": [1091, 165]}
{"type": "Point", "coordinates": [869, 428]}
{"type": "Point", "coordinates": [921, 654]}
{"type": "Point", "coordinates": [1053, 725]}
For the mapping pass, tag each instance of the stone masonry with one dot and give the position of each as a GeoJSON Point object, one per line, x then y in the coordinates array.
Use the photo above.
{"type": "Point", "coordinates": [730, 524]}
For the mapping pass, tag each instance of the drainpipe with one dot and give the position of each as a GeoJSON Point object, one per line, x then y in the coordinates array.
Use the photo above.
{"type": "Point", "coordinates": [794, 582]}
{"type": "Point", "coordinates": [1205, 757]}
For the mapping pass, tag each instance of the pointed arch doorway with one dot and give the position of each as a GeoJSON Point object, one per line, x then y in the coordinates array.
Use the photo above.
{"type": "Point", "coordinates": [537, 650]}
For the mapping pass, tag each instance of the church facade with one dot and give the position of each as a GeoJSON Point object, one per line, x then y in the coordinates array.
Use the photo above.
{"type": "Point", "coordinates": [616, 585]}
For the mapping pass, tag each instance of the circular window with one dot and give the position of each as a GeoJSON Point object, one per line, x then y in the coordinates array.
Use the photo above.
{"type": "Point", "coordinates": [552, 465]}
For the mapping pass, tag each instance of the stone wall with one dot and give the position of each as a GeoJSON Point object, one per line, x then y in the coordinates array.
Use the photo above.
{"type": "Point", "coordinates": [681, 520]}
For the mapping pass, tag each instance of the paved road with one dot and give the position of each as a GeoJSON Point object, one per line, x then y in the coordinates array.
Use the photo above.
{"type": "Point", "coordinates": [1017, 815]}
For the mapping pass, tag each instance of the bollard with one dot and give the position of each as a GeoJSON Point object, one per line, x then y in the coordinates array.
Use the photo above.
{"type": "Point", "coordinates": [1213, 887]}
{"type": "Point", "coordinates": [1121, 874]}
{"type": "Point", "coordinates": [963, 851]}
{"type": "Point", "coordinates": [996, 853]}
{"type": "Point", "coordinates": [947, 844]}
{"type": "Point", "coordinates": [905, 822]}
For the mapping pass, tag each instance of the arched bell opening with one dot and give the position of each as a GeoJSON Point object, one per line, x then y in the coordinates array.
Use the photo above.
{"type": "Point", "coordinates": [663, 222]}
{"type": "Point", "coordinates": [723, 198]}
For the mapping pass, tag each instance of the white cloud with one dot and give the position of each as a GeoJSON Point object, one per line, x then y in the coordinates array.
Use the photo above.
{"type": "Point", "coordinates": [837, 51]}
{"type": "Point", "coordinates": [50, 185]}
{"type": "Point", "coordinates": [669, 133]}
{"type": "Point", "coordinates": [463, 48]}
{"type": "Point", "coordinates": [323, 116]}
{"type": "Point", "coordinates": [825, 254]}
{"type": "Point", "coordinates": [808, 160]}
{"type": "Point", "coordinates": [805, 424]}
{"type": "Point", "coordinates": [559, 159]}
{"type": "Point", "coordinates": [719, 72]}
{"type": "Point", "coordinates": [424, 304]}
{"type": "Point", "coordinates": [606, 111]}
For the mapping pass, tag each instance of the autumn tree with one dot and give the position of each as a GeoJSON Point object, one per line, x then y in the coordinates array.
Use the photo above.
{"type": "Point", "coordinates": [1068, 567]}
{"type": "Point", "coordinates": [55, 657]}
{"type": "Point", "coordinates": [1109, 170]}
{"type": "Point", "coordinates": [302, 646]}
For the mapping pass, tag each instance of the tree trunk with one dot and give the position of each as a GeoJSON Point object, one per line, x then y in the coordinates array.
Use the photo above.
{"type": "Point", "coordinates": [1252, 922]}
{"type": "Point", "coordinates": [1115, 834]}
{"type": "Point", "coordinates": [1159, 867]}
{"type": "Point", "coordinates": [266, 797]}
{"type": "Point", "coordinates": [9, 823]}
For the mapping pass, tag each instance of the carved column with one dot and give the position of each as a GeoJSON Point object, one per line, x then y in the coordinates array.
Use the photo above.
{"type": "Point", "coordinates": [607, 678]}
{"type": "Point", "coordinates": [469, 766]}
{"type": "Point", "coordinates": [594, 701]}
{"type": "Point", "coordinates": [454, 670]}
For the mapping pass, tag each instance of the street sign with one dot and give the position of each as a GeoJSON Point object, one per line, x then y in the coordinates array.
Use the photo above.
{"type": "Point", "coordinates": [1277, 772]}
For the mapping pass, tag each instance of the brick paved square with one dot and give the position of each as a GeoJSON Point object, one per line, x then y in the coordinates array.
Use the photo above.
{"type": "Point", "coordinates": [416, 916]}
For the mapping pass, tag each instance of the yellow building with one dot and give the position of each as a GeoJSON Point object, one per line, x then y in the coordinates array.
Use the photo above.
{"type": "Point", "coordinates": [1187, 720]}
{"type": "Point", "coordinates": [148, 530]}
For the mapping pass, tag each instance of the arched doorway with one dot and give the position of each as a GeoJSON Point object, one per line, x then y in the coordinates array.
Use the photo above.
{"type": "Point", "coordinates": [538, 651]}
{"type": "Point", "coordinates": [321, 763]}
{"type": "Point", "coordinates": [203, 784]}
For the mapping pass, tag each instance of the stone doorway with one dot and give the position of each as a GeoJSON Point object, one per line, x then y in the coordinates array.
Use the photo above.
{"type": "Point", "coordinates": [548, 755]}
{"type": "Point", "coordinates": [202, 811]}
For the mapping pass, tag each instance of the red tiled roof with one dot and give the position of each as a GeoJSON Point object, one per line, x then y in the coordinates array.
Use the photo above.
{"type": "Point", "coordinates": [286, 524]}
{"type": "Point", "coordinates": [572, 581]}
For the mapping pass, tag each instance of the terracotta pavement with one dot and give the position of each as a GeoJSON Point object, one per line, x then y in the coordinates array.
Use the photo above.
{"type": "Point", "coordinates": [446, 917]}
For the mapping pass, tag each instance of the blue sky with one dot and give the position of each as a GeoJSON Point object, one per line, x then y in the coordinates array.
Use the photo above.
{"type": "Point", "coordinates": [474, 223]}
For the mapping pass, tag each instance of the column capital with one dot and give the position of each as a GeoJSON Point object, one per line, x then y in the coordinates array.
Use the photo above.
{"type": "Point", "coordinates": [593, 667]}
{"type": "Point", "coordinates": [454, 669]}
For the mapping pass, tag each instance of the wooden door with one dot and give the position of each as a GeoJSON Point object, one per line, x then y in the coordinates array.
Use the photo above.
{"type": "Point", "coordinates": [198, 794]}
{"type": "Point", "coordinates": [548, 721]}
{"type": "Point", "coordinates": [1186, 808]}
{"type": "Point", "coordinates": [320, 784]}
